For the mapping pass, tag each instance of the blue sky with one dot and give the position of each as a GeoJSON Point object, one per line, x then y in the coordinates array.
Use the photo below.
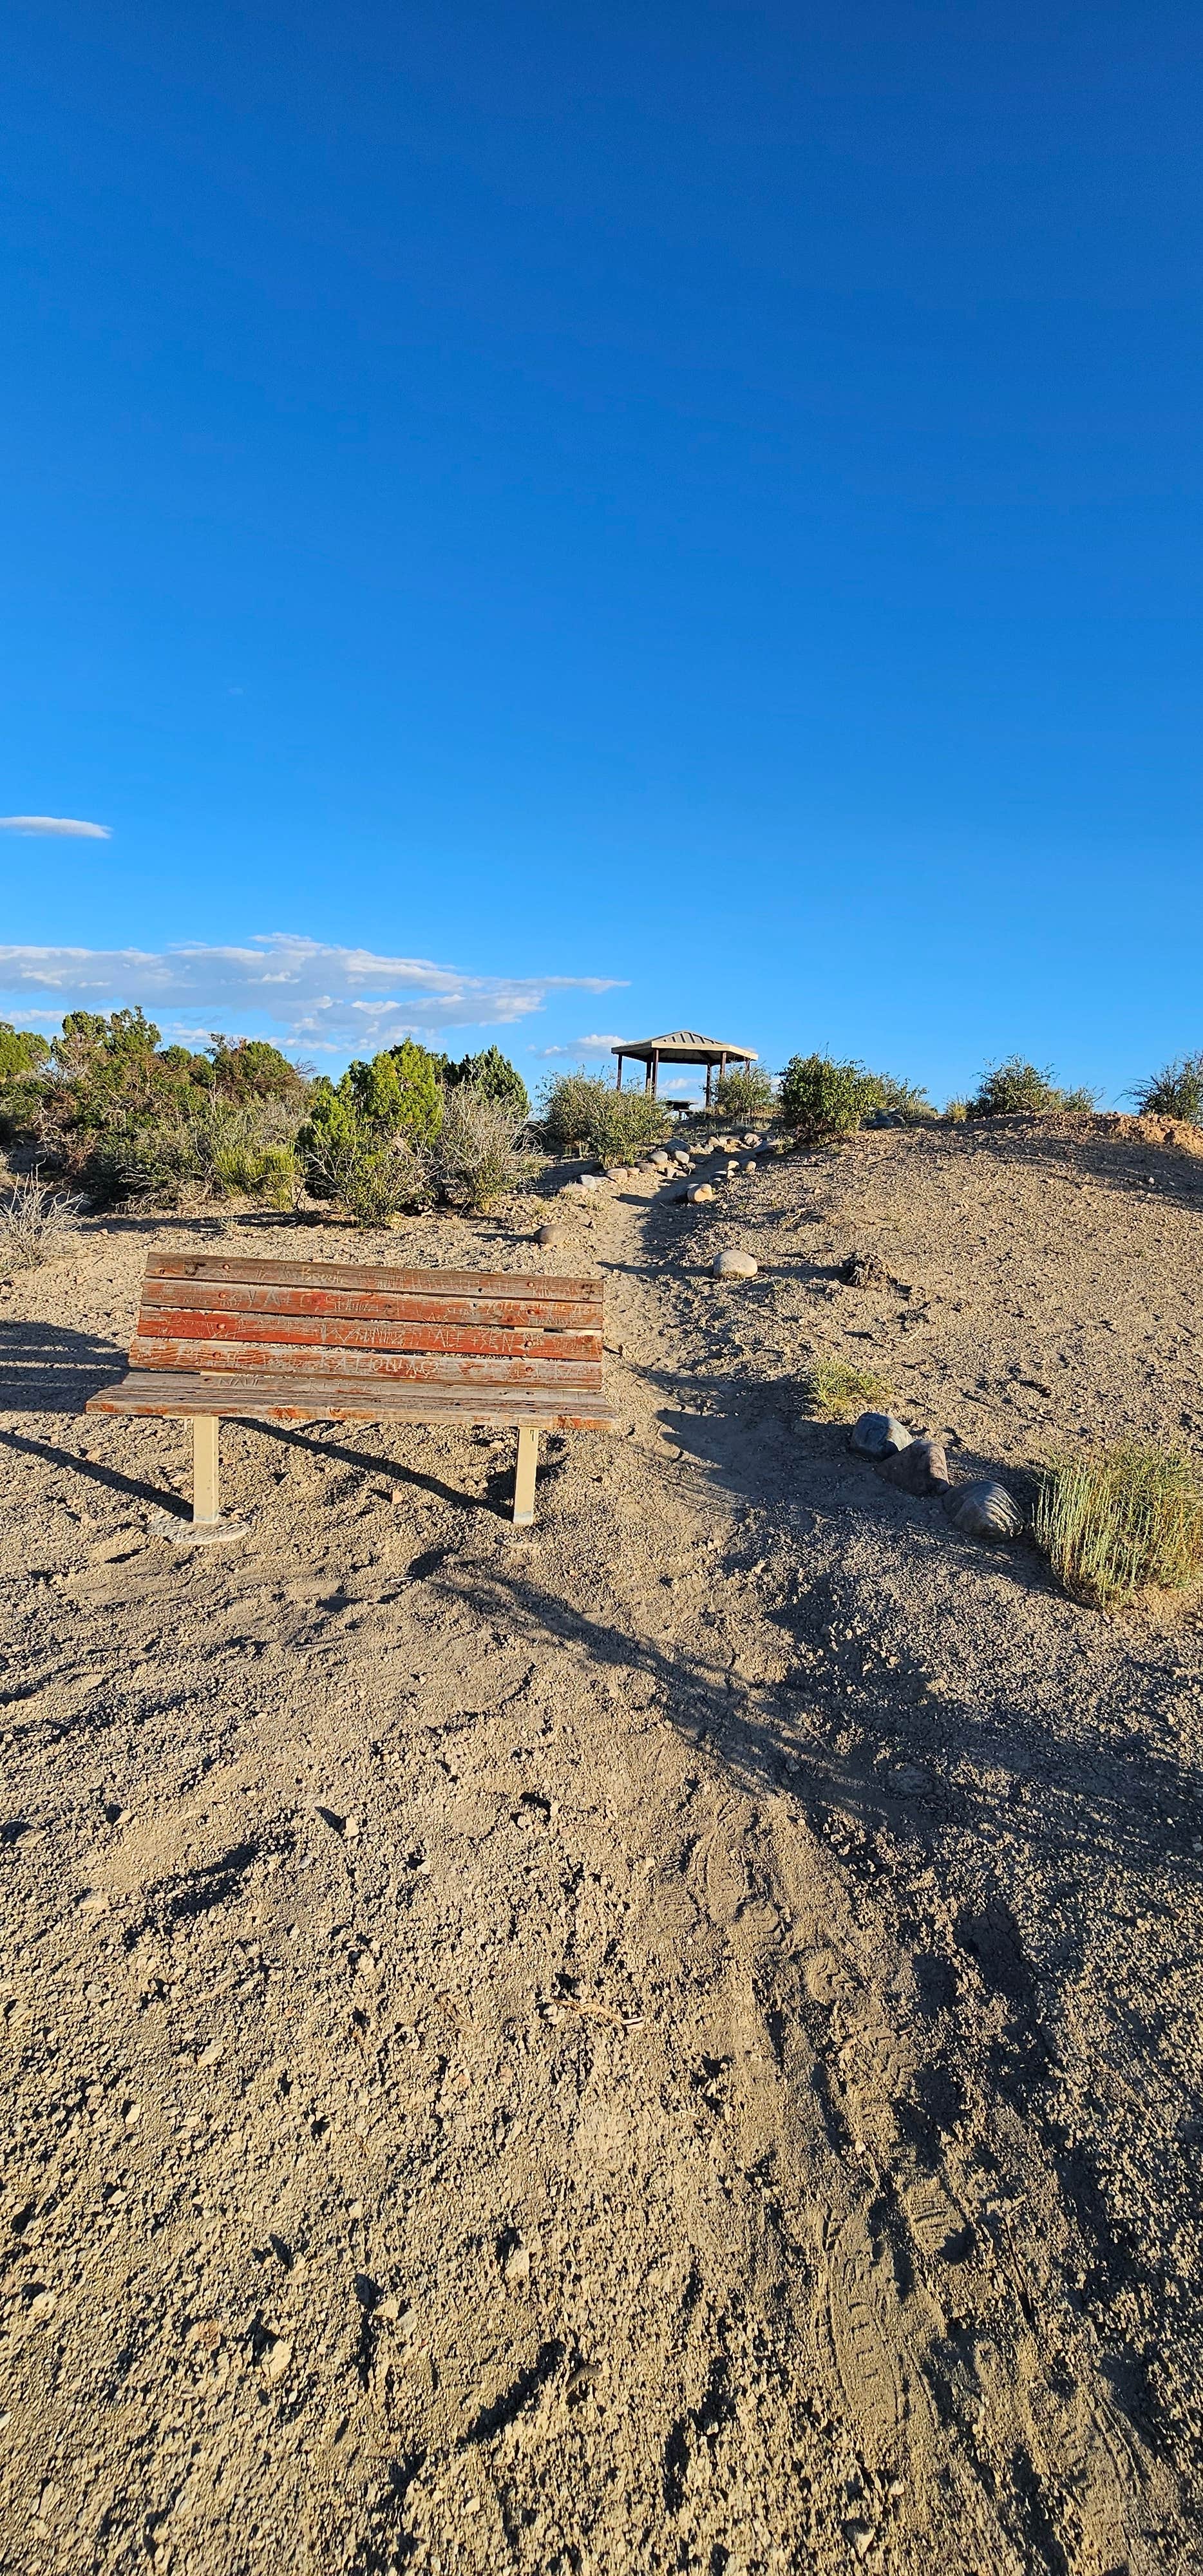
{"type": "Point", "coordinates": [664, 513]}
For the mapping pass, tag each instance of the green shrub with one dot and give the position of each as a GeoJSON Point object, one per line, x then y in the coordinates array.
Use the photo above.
{"type": "Point", "coordinates": [1008, 1089]}
{"type": "Point", "coordinates": [835, 1391]}
{"type": "Point", "coordinates": [22, 1052]}
{"type": "Point", "coordinates": [821, 1099]}
{"type": "Point", "coordinates": [581, 1113]}
{"type": "Point", "coordinates": [905, 1100]}
{"type": "Point", "coordinates": [744, 1099]}
{"type": "Point", "coordinates": [397, 1093]}
{"type": "Point", "coordinates": [1175, 1092]}
{"type": "Point", "coordinates": [1127, 1521]}
{"type": "Point", "coordinates": [489, 1072]}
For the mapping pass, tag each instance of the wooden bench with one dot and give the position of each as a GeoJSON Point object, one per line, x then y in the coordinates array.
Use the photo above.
{"type": "Point", "coordinates": [308, 1341]}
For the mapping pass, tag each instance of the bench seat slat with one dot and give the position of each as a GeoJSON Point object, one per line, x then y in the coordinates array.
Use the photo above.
{"type": "Point", "coordinates": [381, 1367]}
{"type": "Point", "coordinates": [362, 1277]}
{"type": "Point", "coordinates": [322, 1333]}
{"type": "Point", "coordinates": [337, 1399]}
{"type": "Point", "coordinates": [242, 1297]}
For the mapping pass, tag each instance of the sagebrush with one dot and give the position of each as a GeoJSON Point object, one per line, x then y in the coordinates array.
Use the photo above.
{"type": "Point", "coordinates": [1009, 1089]}
{"type": "Point", "coordinates": [34, 1225]}
{"type": "Point", "coordinates": [1175, 1092]}
{"type": "Point", "coordinates": [580, 1113]}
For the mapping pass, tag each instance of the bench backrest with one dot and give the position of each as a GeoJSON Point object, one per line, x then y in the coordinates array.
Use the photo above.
{"type": "Point", "coordinates": [307, 1319]}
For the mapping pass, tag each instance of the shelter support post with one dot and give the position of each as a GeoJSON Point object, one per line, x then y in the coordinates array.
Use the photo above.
{"type": "Point", "coordinates": [206, 1492]}
{"type": "Point", "coordinates": [618, 1083]}
{"type": "Point", "coordinates": [524, 1478]}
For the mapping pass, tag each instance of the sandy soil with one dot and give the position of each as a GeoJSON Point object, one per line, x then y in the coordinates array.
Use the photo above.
{"type": "Point", "coordinates": [669, 2041]}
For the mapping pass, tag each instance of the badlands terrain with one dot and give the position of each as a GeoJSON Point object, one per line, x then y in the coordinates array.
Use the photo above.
{"type": "Point", "coordinates": [667, 2041]}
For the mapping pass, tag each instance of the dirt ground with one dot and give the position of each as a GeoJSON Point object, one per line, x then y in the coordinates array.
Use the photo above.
{"type": "Point", "coordinates": [669, 2041]}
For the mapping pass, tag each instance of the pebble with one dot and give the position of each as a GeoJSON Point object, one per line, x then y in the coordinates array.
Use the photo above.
{"type": "Point", "coordinates": [588, 1182]}
{"type": "Point", "coordinates": [551, 1237]}
{"type": "Point", "coordinates": [211, 2055]}
{"type": "Point", "coordinates": [93, 1901]}
{"type": "Point", "coordinates": [276, 2360]}
{"type": "Point", "coordinates": [515, 2267]}
{"type": "Point", "coordinates": [878, 1435]}
{"type": "Point", "coordinates": [860, 2537]}
{"type": "Point", "coordinates": [922, 1468]}
{"type": "Point", "coordinates": [749, 1167]}
{"type": "Point", "coordinates": [735, 1265]}
{"type": "Point", "coordinates": [701, 1195]}
{"type": "Point", "coordinates": [986, 1510]}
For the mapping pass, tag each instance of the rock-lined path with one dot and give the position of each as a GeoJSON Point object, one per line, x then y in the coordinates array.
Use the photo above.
{"type": "Point", "coordinates": [595, 2049]}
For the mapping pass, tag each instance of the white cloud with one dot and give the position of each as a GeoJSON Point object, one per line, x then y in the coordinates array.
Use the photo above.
{"type": "Point", "coordinates": [603, 1045]}
{"type": "Point", "coordinates": [35, 824]}
{"type": "Point", "coordinates": [321, 999]}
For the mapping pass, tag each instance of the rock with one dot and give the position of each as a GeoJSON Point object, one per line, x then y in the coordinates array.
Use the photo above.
{"type": "Point", "coordinates": [860, 2537]}
{"type": "Point", "coordinates": [922, 1468]}
{"type": "Point", "coordinates": [93, 1901]}
{"type": "Point", "coordinates": [275, 2360]}
{"type": "Point", "coordinates": [749, 1167]}
{"type": "Point", "coordinates": [551, 1237]}
{"type": "Point", "coordinates": [753, 1140]}
{"type": "Point", "coordinates": [701, 1196]}
{"type": "Point", "coordinates": [515, 2266]}
{"type": "Point", "coordinates": [908, 1781]}
{"type": "Point", "coordinates": [660, 1161]}
{"type": "Point", "coordinates": [735, 1265]}
{"type": "Point", "coordinates": [212, 2055]}
{"type": "Point", "coordinates": [589, 1182]}
{"type": "Point", "coordinates": [863, 1270]}
{"type": "Point", "coordinates": [985, 1509]}
{"type": "Point", "coordinates": [877, 1435]}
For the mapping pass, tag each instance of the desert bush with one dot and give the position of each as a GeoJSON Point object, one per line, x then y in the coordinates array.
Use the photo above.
{"type": "Point", "coordinates": [836, 1391]}
{"type": "Point", "coordinates": [1175, 1092]}
{"type": "Point", "coordinates": [1125, 1522]}
{"type": "Point", "coordinates": [251, 1069]}
{"type": "Point", "coordinates": [821, 1099]}
{"type": "Point", "coordinates": [196, 1148]}
{"type": "Point", "coordinates": [1012, 1087]}
{"type": "Point", "coordinates": [368, 1139]}
{"type": "Point", "coordinates": [742, 1098]}
{"type": "Point", "coordinates": [581, 1112]}
{"type": "Point", "coordinates": [492, 1073]}
{"type": "Point", "coordinates": [905, 1100]}
{"type": "Point", "coordinates": [957, 1111]}
{"type": "Point", "coordinates": [476, 1158]}
{"type": "Point", "coordinates": [34, 1224]}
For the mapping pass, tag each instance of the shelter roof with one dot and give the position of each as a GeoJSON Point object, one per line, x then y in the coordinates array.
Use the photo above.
{"type": "Point", "coordinates": [684, 1046]}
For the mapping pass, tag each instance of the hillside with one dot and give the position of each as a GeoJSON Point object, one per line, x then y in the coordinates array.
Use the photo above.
{"type": "Point", "coordinates": [668, 2041]}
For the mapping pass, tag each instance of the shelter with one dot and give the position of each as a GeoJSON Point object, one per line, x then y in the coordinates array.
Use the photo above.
{"type": "Point", "coordinates": [682, 1046]}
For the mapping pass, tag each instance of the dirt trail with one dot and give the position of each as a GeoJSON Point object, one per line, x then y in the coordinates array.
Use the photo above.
{"type": "Point", "coordinates": [608, 2048]}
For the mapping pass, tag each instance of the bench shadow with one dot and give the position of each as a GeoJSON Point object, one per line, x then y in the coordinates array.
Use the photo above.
{"type": "Point", "coordinates": [46, 1368]}
{"type": "Point", "coordinates": [111, 1477]}
{"type": "Point", "coordinates": [497, 1496]}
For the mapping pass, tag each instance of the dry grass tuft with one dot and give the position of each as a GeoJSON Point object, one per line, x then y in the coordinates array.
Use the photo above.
{"type": "Point", "coordinates": [1125, 1527]}
{"type": "Point", "coordinates": [834, 1391]}
{"type": "Point", "coordinates": [33, 1226]}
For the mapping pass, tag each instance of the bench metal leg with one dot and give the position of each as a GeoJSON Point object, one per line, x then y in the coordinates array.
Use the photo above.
{"type": "Point", "coordinates": [206, 1499]}
{"type": "Point", "coordinates": [524, 1479]}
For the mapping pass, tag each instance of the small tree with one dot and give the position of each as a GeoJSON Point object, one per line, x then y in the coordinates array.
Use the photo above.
{"type": "Point", "coordinates": [22, 1052]}
{"type": "Point", "coordinates": [1175, 1092]}
{"type": "Point", "coordinates": [252, 1069]}
{"type": "Point", "coordinates": [821, 1098]}
{"type": "Point", "coordinates": [492, 1073]}
{"type": "Point", "coordinates": [476, 1160]}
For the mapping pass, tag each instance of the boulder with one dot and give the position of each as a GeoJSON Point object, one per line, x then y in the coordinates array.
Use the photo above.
{"type": "Point", "coordinates": [735, 1265]}
{"type": "Point", "coordinates": [922, 1468]}
{"type": "Point", "coordinates": [986, 1510]}
{"type": "Point", "coordinates": [877, 1435]}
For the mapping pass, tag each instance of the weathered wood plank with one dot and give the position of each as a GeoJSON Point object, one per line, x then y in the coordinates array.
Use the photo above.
{"type": "Point", "coordinates": [369, 1278]}
{"type": "Point", "coordinates": [419, 1367]}
{"type": "Point", "coordinates": [240, 1297]}
{"type": "Point", "coordinates": [319, 1333]}
{"type": "Point", "coordinates": [167, 1393]}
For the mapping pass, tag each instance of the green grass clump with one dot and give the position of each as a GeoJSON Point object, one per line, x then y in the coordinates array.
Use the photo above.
{"type": "Point", "coordinates": [1126, 1522]}
{"type": "Point", "coordinates": [834, 1391]}
{"type": "Point", "coordinates": [1175, 1092]}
